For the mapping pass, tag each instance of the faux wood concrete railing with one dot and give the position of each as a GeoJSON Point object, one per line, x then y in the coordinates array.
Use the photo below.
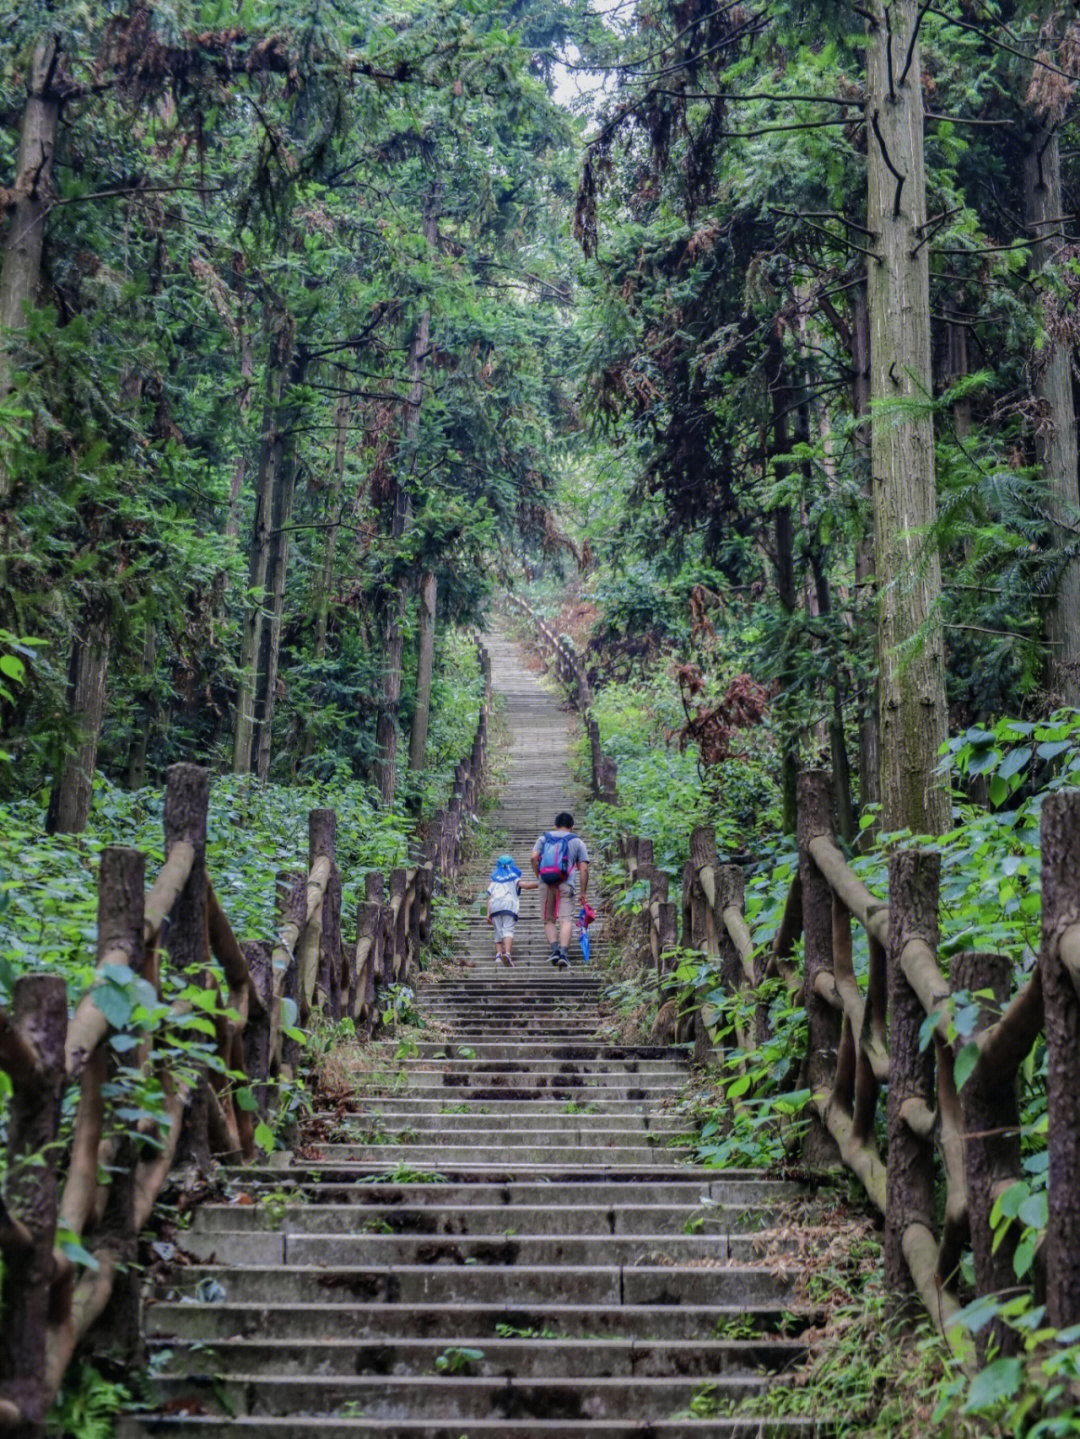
{"type": "Point", "coordinates": [951, 1150]}
{"type": "Point", "coordinates": [244, 1001]}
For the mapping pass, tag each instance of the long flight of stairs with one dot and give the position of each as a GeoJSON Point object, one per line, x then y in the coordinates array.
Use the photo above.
{"type": "Point", "coordinates": [503, 1237]}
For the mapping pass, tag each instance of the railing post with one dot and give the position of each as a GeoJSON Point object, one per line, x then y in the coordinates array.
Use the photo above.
{"type": "Point", "coordinates": [398, 953]}
{"type": "Point", "coordinates": [187, 799]}
{"type": "Point", "coordinates": [1059, 965]}
{"type": "Point", "coordinates": [39, 1012]}
{"type": "Point", "coordinates": [909, 1196]}
{"type": "Point", "coordinates": [425, 885]}
{"type": "Point", "coordinates": [258, 1061]}
{"type": "Point", "coordinates": [822, 1021]}
{"type": "Point", "coordinates": [730, 888]}
{"type": "Point", "coordinates": [322, 843]}
{"type": "Point", "coordinates": [702, 924]}
{"type": "Point", "coordinates": [990, 1110]}
{"type": "Point", "coordinates": [291, 904]}
{"type": "Point", "coordinates": [121, 903]}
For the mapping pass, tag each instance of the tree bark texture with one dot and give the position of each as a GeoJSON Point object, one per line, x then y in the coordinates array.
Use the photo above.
{"type": "Point", "coordinates": [823, 1023]}
{"type": "Point", "coordinates": [1055, 437]}
{"type": "Point", "coordinates": [913, 915]}
{"type": "Point", "coordinates": [1061, 1004]}
{"type": "Point", "coordinates": [912, 708]}
{"type": "Point", "coordinates": [425, 658]}
{"type": "Point", "coordinates": [69, 801]}
{"type": "Point", "coordinates": [39, 1010]}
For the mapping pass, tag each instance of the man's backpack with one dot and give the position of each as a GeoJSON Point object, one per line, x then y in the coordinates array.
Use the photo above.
{"type": "Point", "coordinates": [554, 865]}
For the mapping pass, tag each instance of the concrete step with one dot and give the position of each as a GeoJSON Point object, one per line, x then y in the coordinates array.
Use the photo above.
{"type": "Point", "coordinates": [710, 1281]}
{"type": "Point", "coordinates": [209, 1320]}
{"type": "Point", "coordinates": [437, 1156]}
{"type": "Point", "coordinates": [520, 1052]}
{"type": "Point", "coordinates": [321, 1427]}
{"type": "Point", "coordinates": [316, 1189]}
{"type": "Point", "coordinates": [508, 1106]}
{"type": "Point", "coordinates": [624, 1218]}
{"type": "Point", "coordinates": [459, 1396]}
{"type": "Point", "coordinates": [509, 1248]}
{"type": "Point", "coordinates": [483, 1128]}
{"type": "Point", "coordinates": [494, 1358]}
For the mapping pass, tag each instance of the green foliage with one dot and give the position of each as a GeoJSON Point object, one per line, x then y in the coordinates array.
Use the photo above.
{"type": "Point", "coordinates": [88, 1405]}
{"type": "Point", "coordinates": [458, 1359]}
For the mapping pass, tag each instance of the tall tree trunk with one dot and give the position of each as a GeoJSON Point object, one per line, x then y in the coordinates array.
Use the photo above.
{"type": "Point", "coordinates": [386, 731]}
{"type": "Point", "coordinates": [912, 707]}
{"type": "Point", "coordinates": [20, 268]}
{"type": "Point", "coordinates": [144, 707]}
{"type": "Point", "coordinates": [425, 658]}
{"type": "Point", "coordinates": [841, 769]}
{"type": "Point", "coordinates": [20, 273]}
{"type": "Point", "coordinates": [261, 551]}
{"type": "Point", "coordinates": [866, 697]}
{"type": "Point", "coordinates": [1055, 442]}
{"type": "Point", "coordinates": [333, 507]}
{"type": "Point", "coordinates": [69, 802]}
{"type": "Point", "coordinates": [784, 559]}
{"type": "Point", "coordinates": [281, 508]}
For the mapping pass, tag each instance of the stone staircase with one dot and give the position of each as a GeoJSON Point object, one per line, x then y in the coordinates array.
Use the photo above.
{"type": "Point", "coordinates": [505, 1238]}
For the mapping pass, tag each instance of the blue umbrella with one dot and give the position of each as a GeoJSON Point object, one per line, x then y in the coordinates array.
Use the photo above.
{"type": "Point", "coordinates": [583, 935]}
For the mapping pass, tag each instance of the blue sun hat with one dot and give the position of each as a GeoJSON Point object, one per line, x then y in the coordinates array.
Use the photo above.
{"type": "Point", "coordinates": [505, 868]}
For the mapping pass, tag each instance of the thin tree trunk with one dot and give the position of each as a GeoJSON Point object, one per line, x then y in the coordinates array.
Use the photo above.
{"type": "Point", "coordinates": [866, 697]}
{"type": "Point", "coordinates": [281, 508]}
{"type": "Point", "coordinates": [20, 274]}
{"type": "Point", "coordinates": [912, 707]}
{"type": "Point", "coordinates": [425, 658]}
{"type": "Point", "coordinates": [1055, 442]}
{"type": "Point", "coordinates": [259, 551]}
{"type": "Point", "coordinates": [144, 712]}
{"type": "Point", "coordinates": [69, 802]}
{"type": "Point", "coordinates": [386, 731]}
{"type": "Point", "coordinates": [841, 769]}
{"type": "Point", "coordinates": [784, 559]}
{"type": "Point", "coordinates": [333, 507]}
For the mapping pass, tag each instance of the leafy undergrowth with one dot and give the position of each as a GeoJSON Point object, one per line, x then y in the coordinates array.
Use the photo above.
{"type": "Point", "coordinates": [871, 1370]}
{"type": "Point", "coordinates": [48, 883]}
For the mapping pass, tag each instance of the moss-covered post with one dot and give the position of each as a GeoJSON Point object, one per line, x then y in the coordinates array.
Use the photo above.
{"type": "Point", "coordinates": [39, 1015]}
{"type": "Point", "coordinates": [1059, 964]}
{"type": "Point", "coordinates": [823, 1023]}
{"type": "Point", "coordinates": [909, 1198]}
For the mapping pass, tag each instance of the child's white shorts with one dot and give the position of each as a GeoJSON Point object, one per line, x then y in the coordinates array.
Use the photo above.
{"type": "Point", "coordinates": [504, 926]}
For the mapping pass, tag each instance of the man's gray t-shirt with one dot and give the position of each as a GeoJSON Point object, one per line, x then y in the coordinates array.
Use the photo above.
{"type": "Point", "coordinates": [576, 852]}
